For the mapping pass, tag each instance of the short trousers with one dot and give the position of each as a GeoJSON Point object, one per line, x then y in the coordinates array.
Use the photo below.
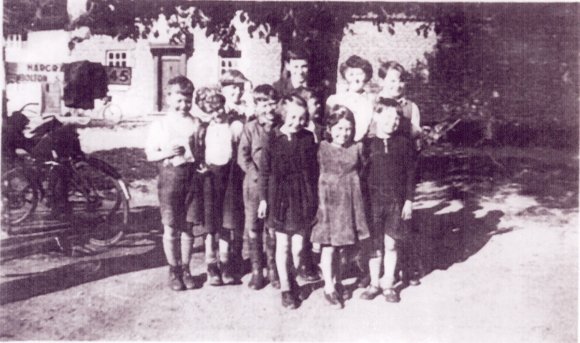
{"type": "Point", "coordinates": [386, 220]}
{"type": "Point", "coordinates": [174, 191]}
{"type": "Point", "coordinates": [251, 202]}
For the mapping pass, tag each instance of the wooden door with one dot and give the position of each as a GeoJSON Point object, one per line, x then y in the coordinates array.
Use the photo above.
{"type": "Point", "coordinates": [171, 66]}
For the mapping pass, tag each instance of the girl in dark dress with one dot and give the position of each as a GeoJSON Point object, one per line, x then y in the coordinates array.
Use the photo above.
{"type": "Point", "coordinates": [288, 190]}
{"type": "Point", "coordinates": [341, 216]}
{"type": "Point", "coordinates": [390, 181]}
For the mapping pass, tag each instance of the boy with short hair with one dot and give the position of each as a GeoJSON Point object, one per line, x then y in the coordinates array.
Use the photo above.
{"type": "Point", "coordinates": [297, 66]}
{"type": "Point", "coordinates": [175, 142]}
{"type": "Point", "coordinates": [252, 141]}
{"type": "Point", "coordinates": [390, 181]}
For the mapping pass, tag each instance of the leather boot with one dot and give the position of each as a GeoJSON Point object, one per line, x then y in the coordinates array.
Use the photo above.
{"type": "Point", "coordinates": [271, 262]}
{"type": "Point", "coordinates": [187, 278]}
{"type": "Point", "coordinates": [227, 275]}
{"type": "Point", "coordinates": [214, 274]}
{"type": "Point", "coordinates": [175, 281]}
{"type": "Point", "coordinates": [257, 282]}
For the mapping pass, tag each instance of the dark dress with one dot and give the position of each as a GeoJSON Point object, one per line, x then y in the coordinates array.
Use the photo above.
{"type": "Point", "coordinates": [390, 180]}
{"type": "Point", "coordinates": [288, 175]}
{"type": "Point", "coordinates": [341, 215]}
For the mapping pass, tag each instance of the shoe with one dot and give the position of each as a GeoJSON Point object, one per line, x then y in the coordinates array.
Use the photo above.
{"type": "Point", "coordinates": [414, 282]}
{"type": "Point", "coordinates": [344, 293]}
{"type": "Point", "coordinates": [363, 281]}
{"type": "Point", "coordinates": [214, 275]}
{"type": "Point", "coordinates": [257, 282]}
{"type": "Point", "coordinates": [288, 300]}
{"type": "Point", "coordinates": [333, 299]}
{"type": "Point", "coordinates": [391, 295]}
{"type": "Point", "coordinates": [309, 274]}
{"type": "Point", "coordinates": [175, 281]}
{"type": "Point", "coordinates": [187, 279]}
{"type": "Point", "coordinates": [227, 276]}
{"type": "Point", "coordinates": [370, 293]}
{"type": "Point", "coordinates": [296, 289]}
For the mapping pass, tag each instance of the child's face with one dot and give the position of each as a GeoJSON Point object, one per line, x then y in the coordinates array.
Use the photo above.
{"type": "Point", "coordinates": [298, 69]}
{"type": "Point", "coordinates": [232, 93]}
{"type": "Point", "coordinates": [355, 77]}
{"type": "Point", "coordinates": [266, 109]}
{"type": "Point", "coordinates": [392, 85]}
{"type": "Point", "coordinates": [178, 102]}
{"type": "Point", "coordinates": [387, 121]}
{"type": "Point", "coordinates": [341, 132]}
{"type": "Point", "coordinates": [295, 118]}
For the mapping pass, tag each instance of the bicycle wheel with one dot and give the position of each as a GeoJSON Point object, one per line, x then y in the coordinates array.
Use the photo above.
{"type": "Point", "coordinates": [19, 197]}
{"type": "Point", "coordinates": [98, 200]}
{"type": "Point", "coordinates": [113, 113]}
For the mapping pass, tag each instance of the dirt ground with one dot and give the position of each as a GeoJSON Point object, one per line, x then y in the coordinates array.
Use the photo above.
{"type": "Point", "coordinates": [500, 246]}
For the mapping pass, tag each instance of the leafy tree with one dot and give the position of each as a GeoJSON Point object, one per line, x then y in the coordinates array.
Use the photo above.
{"type": "Point", "coordinates": [319, 25]}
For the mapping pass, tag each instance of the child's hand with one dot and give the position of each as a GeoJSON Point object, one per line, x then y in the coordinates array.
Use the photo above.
{"type": "Point", "coordinates": [407, 212]}
{"type": "Point", "coordinates": [202, 169]}
{"type": "Point", "coordinates": [178, 150]}
{"type": "Point", "coordinates": [262, 208]}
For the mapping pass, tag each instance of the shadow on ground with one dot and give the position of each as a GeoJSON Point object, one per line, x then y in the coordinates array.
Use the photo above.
{"type": "Point", "coordinates": [95, 262]}
{"type": "Point", "coordinates": [449, 223]}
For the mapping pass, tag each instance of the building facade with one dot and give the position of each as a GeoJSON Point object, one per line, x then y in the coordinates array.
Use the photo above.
{"type": "Point", "coordinates": [138, 69]}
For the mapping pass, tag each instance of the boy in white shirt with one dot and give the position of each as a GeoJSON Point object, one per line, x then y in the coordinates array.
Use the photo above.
{"type": "Point", "coordinates": [173, 141]}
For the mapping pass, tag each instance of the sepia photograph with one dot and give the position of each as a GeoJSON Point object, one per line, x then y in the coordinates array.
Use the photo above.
{"type": "Point", "coordinates": [181, 170]}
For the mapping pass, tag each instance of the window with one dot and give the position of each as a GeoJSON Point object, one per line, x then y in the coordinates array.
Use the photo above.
{"type": "Point", "coordinates": [229, 59]}
{"type": "Point", "coordinates": [15, 40]}
{"type": "Point", "coordinates": [117, 58]}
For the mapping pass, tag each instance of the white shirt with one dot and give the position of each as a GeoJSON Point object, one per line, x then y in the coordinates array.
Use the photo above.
{"type": "Point", "coordinates": [218, 144]}
{"type": "Point", "coordinates": [171, 130]}
{"type": "Point", "coordinates": [361, 106]}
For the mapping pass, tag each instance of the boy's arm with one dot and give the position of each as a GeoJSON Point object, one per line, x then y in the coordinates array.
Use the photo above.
{"type": "Point", "coordinates": [245, 152]}
{"type": "Point", "coordinates": [153, 146]}
{"type": "Point", "coordinates": [410, 163]}
{"type": "Point", "coordinates": [264, 169]}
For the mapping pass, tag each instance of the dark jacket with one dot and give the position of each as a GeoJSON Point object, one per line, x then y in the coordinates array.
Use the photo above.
{"type": "Point", "coordinates": [389, 167]}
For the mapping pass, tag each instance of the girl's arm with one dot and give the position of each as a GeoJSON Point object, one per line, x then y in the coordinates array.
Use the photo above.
{"type": "Point", "coordinates": [265, 170]}
{"type": "Point", "coordinates": [415, 120]}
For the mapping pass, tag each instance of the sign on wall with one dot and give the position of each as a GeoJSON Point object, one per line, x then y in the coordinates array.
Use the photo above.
{"type": "Point", "coordinates": [49, 72]}
{"type": "Point", "coordinates": [119, 75]}
{"type": "Point", "coordinates": [32, 72]}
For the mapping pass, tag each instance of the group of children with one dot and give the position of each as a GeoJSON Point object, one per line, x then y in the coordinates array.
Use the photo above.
{"type": "Point", "coordinates": [301, 182]}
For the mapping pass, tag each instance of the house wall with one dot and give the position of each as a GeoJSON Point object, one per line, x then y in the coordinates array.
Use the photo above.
{"type": "Point", "coordinates": [260, 61]}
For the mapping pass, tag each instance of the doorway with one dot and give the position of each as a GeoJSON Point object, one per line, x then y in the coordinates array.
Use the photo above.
{"type": "Point", "coordinates": [168, 61]}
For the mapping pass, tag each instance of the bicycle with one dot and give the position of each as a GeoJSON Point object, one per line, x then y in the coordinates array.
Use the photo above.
{"type": "Point", "coordinates": [98, 197]}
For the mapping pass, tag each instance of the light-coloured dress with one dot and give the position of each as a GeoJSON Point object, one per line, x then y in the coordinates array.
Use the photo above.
{"type": "Point", "coordinates": [341, 216]}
